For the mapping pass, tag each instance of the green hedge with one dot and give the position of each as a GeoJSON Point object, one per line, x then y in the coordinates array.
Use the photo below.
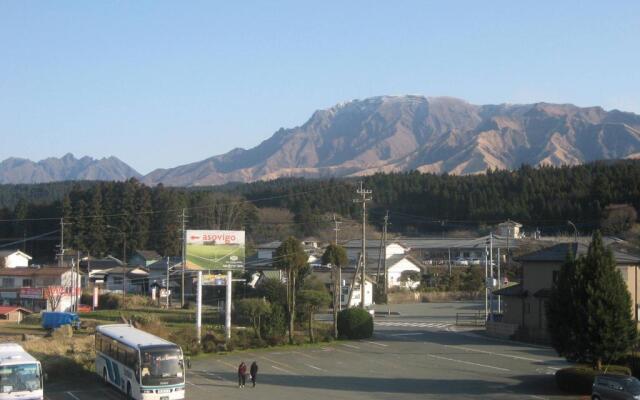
{"type": "Point", "coordinates": [355, 323]}
{"type": "Point", "coordinates": [579, 380]}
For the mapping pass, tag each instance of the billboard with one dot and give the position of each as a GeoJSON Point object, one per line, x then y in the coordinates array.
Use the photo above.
{"type": "Point", "coordinates": [215, 250]}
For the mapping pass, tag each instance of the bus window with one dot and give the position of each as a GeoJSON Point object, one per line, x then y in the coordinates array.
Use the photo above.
{"type": "Point", "coordinates": [22, 377]}
{"type": "Point", "coordinates": [162, 366]}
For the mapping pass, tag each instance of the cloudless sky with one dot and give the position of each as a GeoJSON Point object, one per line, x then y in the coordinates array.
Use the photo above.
{"type": "Point", "coordinates": [163, 83]}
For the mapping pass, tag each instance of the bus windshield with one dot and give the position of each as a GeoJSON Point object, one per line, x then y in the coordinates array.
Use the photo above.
{"type": "Point", "coordinates": [20, 378]}
{"type": "Point", "coordinates": [161, 366]}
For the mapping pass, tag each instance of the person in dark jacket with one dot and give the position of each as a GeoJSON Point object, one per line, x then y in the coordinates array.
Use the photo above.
{"type": "Point", "coordinates": [254, 372]}
{"type": "Point", "coordinates": [242, 373]}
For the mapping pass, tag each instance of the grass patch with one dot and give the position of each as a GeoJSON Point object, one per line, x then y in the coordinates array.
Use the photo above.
{"type": "Point", "coordinates": [64, 358]}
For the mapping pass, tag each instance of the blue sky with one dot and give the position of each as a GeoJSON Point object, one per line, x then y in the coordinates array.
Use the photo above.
{"type": "Point", "coordinates": [164, 83]}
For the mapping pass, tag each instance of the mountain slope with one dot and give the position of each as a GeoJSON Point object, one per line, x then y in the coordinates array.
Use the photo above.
{"type": "Point", "coordinates": [398, 133]}
{"type": "Point", "coordinates": [19, 170]}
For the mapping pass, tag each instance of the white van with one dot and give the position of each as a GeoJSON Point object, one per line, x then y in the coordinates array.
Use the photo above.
{"type": "Point", "coordinates": [20, 374]}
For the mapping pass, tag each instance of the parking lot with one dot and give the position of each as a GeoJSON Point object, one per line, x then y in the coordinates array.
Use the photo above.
{"type": "Point", "coordinates": [418, 354]}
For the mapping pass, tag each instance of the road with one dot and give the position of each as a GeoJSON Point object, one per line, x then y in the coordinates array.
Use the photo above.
{"type": "Point", "coordinates": [419, 354]}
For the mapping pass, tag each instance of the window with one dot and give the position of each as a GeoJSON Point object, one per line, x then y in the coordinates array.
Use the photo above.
{"type": "Point", "coordinates": [117, 280]}
{"type": "Point", "coordinates": [27, 283]}
{"type": "Point", "coordinates": [8, 282]}
{"type": "Point", "coordinates": [556, 275]}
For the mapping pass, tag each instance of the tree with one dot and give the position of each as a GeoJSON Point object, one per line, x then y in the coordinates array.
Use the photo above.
{"type": "Point", "coordinates": [254, 309]}
{"type": "Point", "coordinates": [336, 256]}
{"type": "Point", "coordinates": [311, 301]}
{"type": "Point", "coordinates": [618, 218]}
{"type": "Point", "coordinates": [409, 277]}
{"type": "Point", "coordinates": [589, 310]}
{"type": "Point", "coordinates": [54, 295]}
{"type": "Point", "coordinates": [290, 257]}
{"type": "Point", "coordinates": [274, 291]}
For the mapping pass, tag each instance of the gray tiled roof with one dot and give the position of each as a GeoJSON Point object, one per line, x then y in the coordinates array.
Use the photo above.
{"type": "Point", "coordinates": [559, 252]}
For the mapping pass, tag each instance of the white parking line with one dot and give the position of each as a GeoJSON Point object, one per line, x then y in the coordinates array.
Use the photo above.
{"type": "Point", "coordinates": [282, 369]}
{"type": "Point", "coordinates": [495, 354]}
{"type": "Point", "coordinates": [314, 367]}
{"type": "Point", "coordinates": [377, 344]}
{"type": "Point", "coordinates": [350, 345]}
{"type": "Point", "coordinates": [407, 334]}
{"type": "Point", "coordinates": [467, 362]}
{"type": "Point", "coordinates": [72, 395]}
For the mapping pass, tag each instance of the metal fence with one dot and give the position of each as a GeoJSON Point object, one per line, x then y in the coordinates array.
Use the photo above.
{"type": "Point", "coordinates": [470, 319]}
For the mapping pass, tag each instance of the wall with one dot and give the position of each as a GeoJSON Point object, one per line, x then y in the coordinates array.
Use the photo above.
{"type": "Point", "coordinates": [16, 260]}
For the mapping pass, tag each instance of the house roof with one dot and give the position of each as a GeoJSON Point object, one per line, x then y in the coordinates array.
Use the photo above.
{"type": "Point", "coordinates": [271, 245]}
{"type": "Point", "coordinates": [510, 223]}
{"type": "Point", "coordinates": [4, 310]}
{"type": "Point", "coordinates": [7, 253]}
{"type": "Point", "coordinates": [514, 290]}
{"type": "Point", "coordinates": [47, 271]}
{"type": "Point", "coordinates": [559, 252]}
{"type": "Point", "coordinates": [161, 264]}
{"type": "Point", "coordinates": [148, 255]}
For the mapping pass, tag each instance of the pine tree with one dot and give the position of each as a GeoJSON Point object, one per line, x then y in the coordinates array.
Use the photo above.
{"type": "Point", "coordinates": [96, 244]}
{"type": "Point", "coordinates": [589, 310]}
{"type": "Point", "coordinates": [610, 330]}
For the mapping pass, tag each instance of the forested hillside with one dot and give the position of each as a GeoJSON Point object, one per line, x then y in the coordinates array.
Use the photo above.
{"type": "Point", "coordinates": [418, 204]}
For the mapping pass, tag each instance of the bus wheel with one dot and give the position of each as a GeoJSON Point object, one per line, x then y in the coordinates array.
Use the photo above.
{"type": "Point", "coordinates": [105, 379]}
{"type": "Point", "coordinates": [129, 391]}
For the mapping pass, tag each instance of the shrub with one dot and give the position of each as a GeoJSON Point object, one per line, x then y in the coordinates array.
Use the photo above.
{"type": "Point", "coordinates": [355, 323]}
{"type": "Point", "coordinates": [138, 301]}
{"type": "Point", "coordinates": [109, 301]}
{"type": "Point", "coordinates": [275, 325]}
{"type": "Point", "coordinates": [579, 380]}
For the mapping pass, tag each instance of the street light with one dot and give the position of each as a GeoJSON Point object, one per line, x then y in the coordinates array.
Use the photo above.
{"type": "Point", "coordinates": [124, 260]}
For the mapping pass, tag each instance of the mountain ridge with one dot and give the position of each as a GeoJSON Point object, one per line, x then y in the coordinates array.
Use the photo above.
{"type": "Point", "coordinates": [388, 134]}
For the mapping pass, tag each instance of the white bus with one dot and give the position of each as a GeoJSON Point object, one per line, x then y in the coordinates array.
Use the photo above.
{"type": "Point", "coordinates": [141, 365]}
{"type": "Point", "coordinates": [20, 374]}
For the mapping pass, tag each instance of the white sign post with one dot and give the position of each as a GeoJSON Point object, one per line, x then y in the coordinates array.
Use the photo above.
{"type": "Point", "coordinates": [227, 315]}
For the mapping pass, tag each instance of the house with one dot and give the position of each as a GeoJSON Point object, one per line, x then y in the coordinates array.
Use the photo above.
{"type": "Point", "coordinates": [355, 297]}
{"type": "Point", "coordinates": [525, 302]}
{"type": "Point", "coordinates": [47, 288]}
{"type": "Point", "coordinates": [399, 264]}
{"type": "Point", "coordinates": [510, 229]}
{"type": "Point", "coordinates": [14, 259]}
{"type": "Point", "coordinates": [89, 264]}
{"type": "Point", "coordinates": [266, 251]}
{"type": "Point", "coordinates": [13, 313]}
{"type": "Point", "coordinates": [354, 248]}
{"type": "Point", "coordinates": [144, 258]}
{"type": "Point", "coordinates": [111, 279]}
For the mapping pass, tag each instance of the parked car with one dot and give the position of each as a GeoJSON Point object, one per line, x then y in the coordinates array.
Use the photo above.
{"type": "Point", "coordinates": [461, 261]}
{"type": "Point", "coordinates": [615, 387]}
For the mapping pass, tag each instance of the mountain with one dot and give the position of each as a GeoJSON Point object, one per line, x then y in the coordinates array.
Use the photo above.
{"type": "Point", "coordinates": [439, 134]}
{"type": "Point", "coordinates": [20, 170]}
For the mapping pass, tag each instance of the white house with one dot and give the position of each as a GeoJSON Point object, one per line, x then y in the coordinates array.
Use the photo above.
{"type": "Point", "coordinates": [354, 248]}
{"type": "Point", "coordinates": [14, 259]}
{"type": "Point", "coordinates": [36, 289]}
{"type": "Point", "coordinates": [510, 229]}
{"type": "Point", "coordinates": [396, 266]}
{"type": "Point", "coordinates": [355, 297]}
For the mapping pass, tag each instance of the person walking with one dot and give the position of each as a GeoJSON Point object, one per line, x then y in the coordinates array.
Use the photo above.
{"type": "Point", "coordinates": [242, 373]}
{"type": "Point", "coordinates": [254, 372]}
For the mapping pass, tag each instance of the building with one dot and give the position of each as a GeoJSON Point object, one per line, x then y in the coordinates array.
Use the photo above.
{"type": "Point", "coordinates": [111, 279]}
{"type": "Point", "coordinates": [13, 313]}
{"type": "Point", "coordinates": [144, 258]}
{"type": "Point", "coordinates": [266, 251]}
{"type": "Point", "coordinates": [510, 229]}
{"type": "Point", "coordinates": [399, 264]}
{"type": "Point", "coordinates": [39, 289]}
{"type": "Point", "coordinates": [355, 297]}
{"type": "Point", "coordinates": [14, 259]}
{"type": "Point", "coordinates": [524, 303]}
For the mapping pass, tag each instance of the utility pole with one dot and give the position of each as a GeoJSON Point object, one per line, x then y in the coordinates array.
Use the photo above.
{"type": "Point", "coordinates": [61, 253]}
{"type": "Point", "coordinates": [184, 262]}
{"type": "Point", "coordinates": [338, 287]}
{"type": "Point", "coordinates": [167, 289]}
{"type": "Point", "coordinates": [365, 196]}
{"type": "Point", "coordinates": [491, 270]}
{"type": "Point", "coordinates": [384, 254]}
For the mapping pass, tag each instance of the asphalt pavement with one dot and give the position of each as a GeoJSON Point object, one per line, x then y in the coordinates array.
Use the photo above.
{"type": "Point", "coordinates": [419, 354]}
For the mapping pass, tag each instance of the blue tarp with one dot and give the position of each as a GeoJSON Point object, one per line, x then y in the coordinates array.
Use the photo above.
{"type": "Point", "coordinates": [53, 320]}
